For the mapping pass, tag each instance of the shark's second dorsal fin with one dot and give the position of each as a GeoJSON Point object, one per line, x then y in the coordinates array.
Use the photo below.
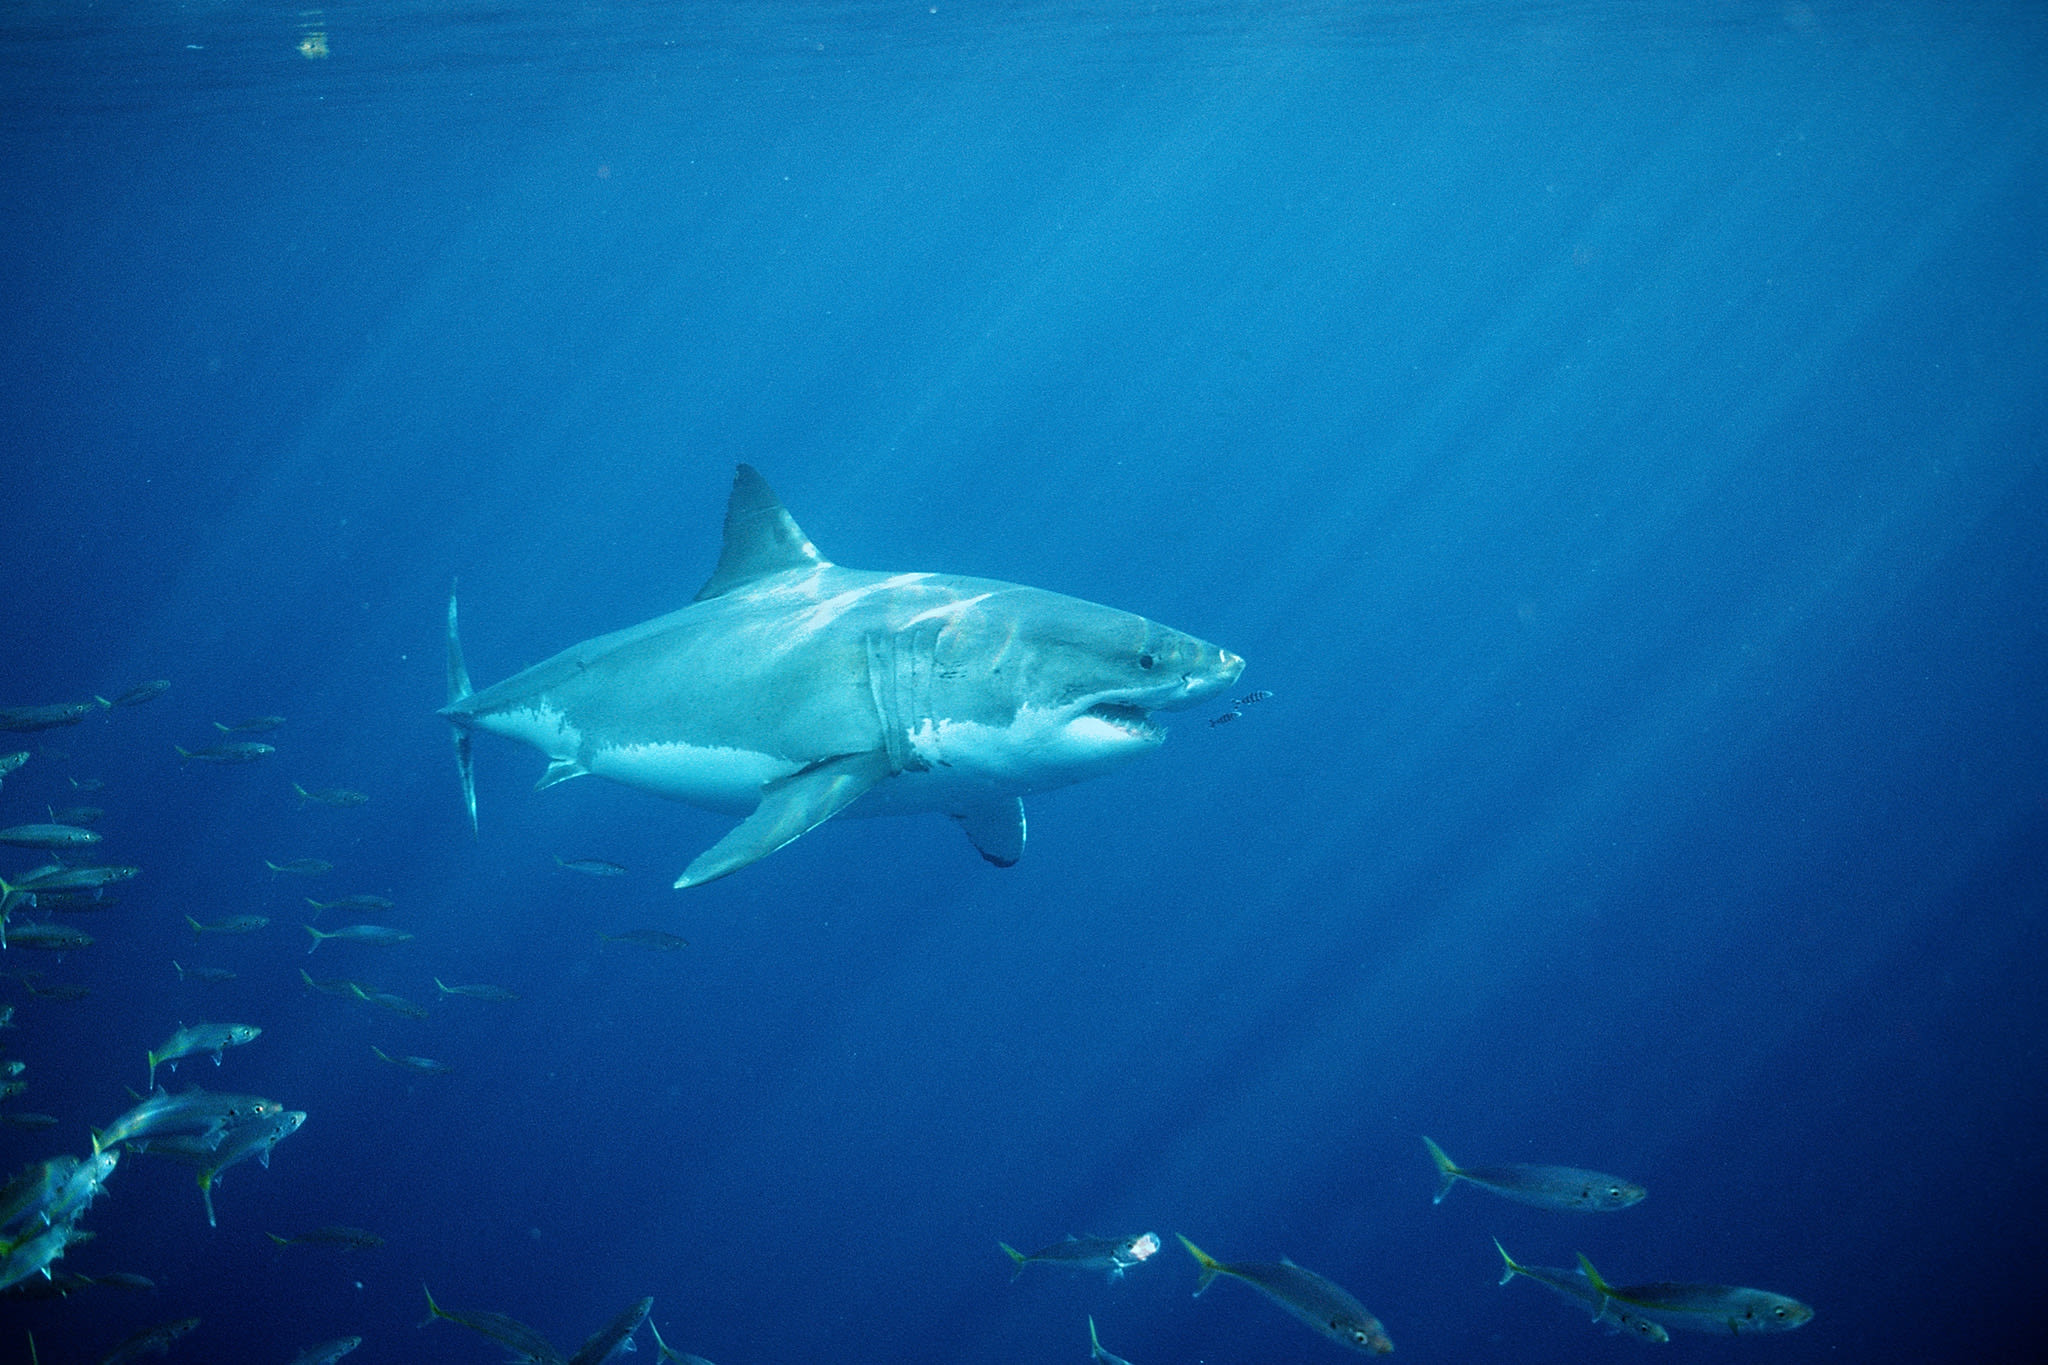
{"type": "Point", "coordinates": [761, 538]}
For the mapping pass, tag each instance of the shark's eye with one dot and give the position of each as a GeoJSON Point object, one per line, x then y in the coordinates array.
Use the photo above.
{"type": "Point", "coordinates": [1145, 662]}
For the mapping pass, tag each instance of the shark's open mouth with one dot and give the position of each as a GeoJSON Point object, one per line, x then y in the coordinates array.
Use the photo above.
{"type": "Point", "coordinates": [1133, 720]}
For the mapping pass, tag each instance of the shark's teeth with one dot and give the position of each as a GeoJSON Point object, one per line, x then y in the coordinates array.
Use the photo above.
{"type": "Point", "coordinates": [1125, 716]}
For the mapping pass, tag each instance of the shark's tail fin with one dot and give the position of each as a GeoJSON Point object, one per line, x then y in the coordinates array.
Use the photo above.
{"type": "Point", "coordinates": [458, 692]}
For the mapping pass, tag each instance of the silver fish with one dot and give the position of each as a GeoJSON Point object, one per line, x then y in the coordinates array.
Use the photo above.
{"type": "Point", "coordinates": [1323, 1305]}
{"type": "Point", "coordinates": [1566, 1188]}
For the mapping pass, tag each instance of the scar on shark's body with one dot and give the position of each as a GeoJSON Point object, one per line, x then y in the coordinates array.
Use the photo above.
{"type": "Point", "coordinates": [792, 690]}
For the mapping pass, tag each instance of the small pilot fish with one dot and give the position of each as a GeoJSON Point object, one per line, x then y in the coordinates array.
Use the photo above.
{"type": "Point", "coordinates": [1114, 1255]}
{"type": "Point", "coordinates": [647, 938]}
{"type": "Point", "coordinates": [35, 1255]}
{"type": "Point", "coordinates": [149, 1341]}
{"type": "Point", "coordinates": [252, 725]}
{"type": "Point", "coordinates": [425, 1066]}
{"type": "Point", "coordinates": [301, 867]}
{"type": "Point", "coordinates": [1095, 1349]}
{"type": "Point", "coordinates": [374, 935]}
{"type": "Point", "coordinates": [28, 1194]}
{"type": "Point", "coordinates": [80, 1188]}
{"type": "Point", "coordinates": [1226, 718]}
{"type": "Point", "coordinates": [337, 1235]}
{"type": "Point", "coordinates": [341, 798]}
{"type": "Point", "coordinates": [256, 1139]}
{"type": "Point", "coordinates": [60, 991]}
{"type": "Point", "coordinates": [363, 903]}
{"type": "Point", "coordinates": [233, 924]}
{"type": "Point", "coordinates": [190, 1042]}
{"type": "Point", "coordinates": [27, 718]}
{"type": "Point", "coordinates": [327, 1352]}
{"type": "Point", "coordinates": [591, 867]}
{"type": "Point", "coordinates": [522, 1341]}
{"type": "Point", "coordinates": [47, 836]}
{"type": "Point", "coordinates": [328, 985]}
{"type": "Point", "coordinates": [1566, 1188]}
{"type": "Point", "coordinates": [72, 879]}
{"type": "Point", "coordinates": [663, 1352]}
{"type": "Point", "coordinates": [385, 1000]}
{"type": "Point", "coordinates": [1704, 1307]}
{"type": "Point", "coordinates": [234, 751]}
{"type": "Point", "coordinates": [480, 991]}
{"type": "Point", "coordinates": [1254, 698]}
{"type": "Point", "coordinates": [125, 1279]}
{"type": "Point", "coordinates": [208, 1114]}
{"type": "Point", "coordinates": [51, 938]}
{"type": "Point", "coordinates": [1573, 1285]}
{"type": "Point", "coordinates": [1316, 1301]}
{"type": "Point", "coordinates": [614, 1336]}
{"type": "Point", "coordinates": [138, 694]}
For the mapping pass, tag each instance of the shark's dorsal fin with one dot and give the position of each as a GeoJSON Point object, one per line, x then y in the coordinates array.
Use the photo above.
{"type": "Point", "coordinates": [761, 538]}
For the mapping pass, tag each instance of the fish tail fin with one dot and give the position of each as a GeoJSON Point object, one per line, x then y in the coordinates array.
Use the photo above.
{"type": "Point", "coordinates": [304, 795]}
{"type": "Point", "coordinates": [1600, 1286]}
{"type": "Point", "coordinates": [1210, 1265]}
{"type": "Point", "coordinates": [197, 930]}
{"type": "Point", "coordinates": [1509, 1269]}
{"type": "Point", "coordinates": [1015, 1255]}
{"type": "Point", "coordinates": [1094, 1342]}
{"type": "Point", "coordinates": [206, 1193]}
{"type": "Point", "coordinates": [281, 1241]}
{"type": "Point", "coordinates": [153, 1060]}
{"type": "Point", "coordinates": [184, 754]}
{"type": "Point", "coordinates": [317, 936]}
{"type": "Point", "coordinates": [433, 1309]}
{"type": "Point", "coordinates": [1446, 1170]}
{"type": "Point", "coordinates": [459, 691]}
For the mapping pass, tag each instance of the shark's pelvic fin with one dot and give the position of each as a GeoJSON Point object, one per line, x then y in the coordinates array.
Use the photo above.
{"type": "Point", "coordinates": [458, 692]}
{"type": "Point", "coordinates": [996, 830]}
{"type": "Point", "coordinates": [761, 538]}
{"type": "Point", "coordinates": [561, 770]}
{"type": "Point", "coordinates": [788, 807]}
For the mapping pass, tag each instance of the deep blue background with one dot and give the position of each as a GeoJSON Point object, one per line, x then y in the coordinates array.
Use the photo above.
{"type": "Point", "coordinates": [1614, 432]}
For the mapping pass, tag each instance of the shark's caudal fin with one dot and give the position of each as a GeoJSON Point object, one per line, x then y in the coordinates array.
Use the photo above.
{"type": "Point", "coordinates": [761, 538]}
{"type": "Point", "coordinates": [458, 692]}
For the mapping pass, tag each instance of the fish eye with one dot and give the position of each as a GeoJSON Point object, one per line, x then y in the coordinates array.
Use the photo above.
{"type": "Point", "coordinates": [1778, 1312]}
{"type": "Point", "coordinates": [1145, 661]}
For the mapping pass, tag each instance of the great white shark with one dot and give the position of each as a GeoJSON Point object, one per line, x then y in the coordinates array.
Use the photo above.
{"type": "Point", "coordinates": [791, 690]}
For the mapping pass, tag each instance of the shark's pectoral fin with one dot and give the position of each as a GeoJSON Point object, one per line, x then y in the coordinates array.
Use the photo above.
{"type": "Point", "coordinates": [996, 830]}
{"type": "Point", "coordinates": [789, 806]}
{"type": "Point", "coordinates": [560, 770]}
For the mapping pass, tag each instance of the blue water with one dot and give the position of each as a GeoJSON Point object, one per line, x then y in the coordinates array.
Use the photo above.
{"type": "Point", "coordinates": [1614, 432]}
